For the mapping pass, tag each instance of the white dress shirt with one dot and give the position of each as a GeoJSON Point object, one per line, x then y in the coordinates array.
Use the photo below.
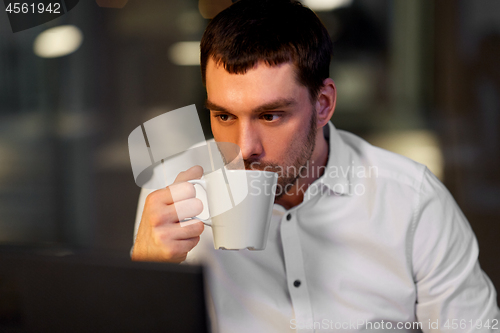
{"type": "Point", "coordinates": [378, 244]}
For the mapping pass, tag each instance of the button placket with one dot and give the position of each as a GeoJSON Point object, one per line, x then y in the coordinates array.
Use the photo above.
{"type": "Point", "coordinates": [295, 272]}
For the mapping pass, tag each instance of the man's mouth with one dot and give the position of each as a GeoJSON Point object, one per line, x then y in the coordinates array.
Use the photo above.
{"type": "Point", "coordinates": [259, 165]}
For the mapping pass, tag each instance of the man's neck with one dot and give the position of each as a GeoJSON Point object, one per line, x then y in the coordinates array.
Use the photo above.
{"type": "Point", "coordinates": [315, 169]}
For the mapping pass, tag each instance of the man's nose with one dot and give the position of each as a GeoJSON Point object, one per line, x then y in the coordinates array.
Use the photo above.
{"type": "Point", "coordinates": [249, 142]}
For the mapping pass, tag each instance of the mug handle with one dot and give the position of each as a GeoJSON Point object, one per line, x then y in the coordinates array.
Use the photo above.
{"type": "Point", "coordinates": [203, 184]}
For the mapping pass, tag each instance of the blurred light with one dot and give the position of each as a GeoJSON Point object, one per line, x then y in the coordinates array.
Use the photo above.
{"type": "Point", "coordinates": [12, 161]}
{"type": "Point", "coordinates": [325, 5]}
{"type": "Point", "coordinates": [420, 145]}
{"type": "Point", "coordinates": [58, 41]}
{"type": "Point", "coordinates": [185, 53]}
{"type": "Point", "coordinates": [210, 8]}
{"type": "Point", "coordinates": [75, 125]}
{"type": "Point", "coordinates": [190, 22]}
{"type": "Point", "coordinates": [113, 156]}
{"type": "Point", "coordinates": [356, 84]}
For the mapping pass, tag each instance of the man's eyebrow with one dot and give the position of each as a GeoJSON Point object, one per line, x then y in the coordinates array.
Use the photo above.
{"type": "Point", "coordinates": [214, 107]}
{"type": "Point", "coordinates": [277, 104]}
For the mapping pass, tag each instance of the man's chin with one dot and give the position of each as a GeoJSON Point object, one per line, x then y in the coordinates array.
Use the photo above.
{"type": "Point", "coordinates": [285, 187]}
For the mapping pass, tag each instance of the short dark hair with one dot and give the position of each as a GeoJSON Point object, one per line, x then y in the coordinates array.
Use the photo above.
{"type": "Point", "coordinates": [272, 31]}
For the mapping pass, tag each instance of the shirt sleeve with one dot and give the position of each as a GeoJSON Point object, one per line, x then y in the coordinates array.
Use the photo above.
{"type": "Point", "coordinates": [452, 290]}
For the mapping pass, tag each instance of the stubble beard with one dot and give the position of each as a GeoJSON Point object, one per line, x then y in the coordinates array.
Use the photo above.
{"type": "Point", "coordinates": [290, 170]}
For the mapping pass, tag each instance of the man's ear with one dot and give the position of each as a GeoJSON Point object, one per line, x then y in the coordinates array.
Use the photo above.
{"type": "Point", "coordinates": [325, 103]}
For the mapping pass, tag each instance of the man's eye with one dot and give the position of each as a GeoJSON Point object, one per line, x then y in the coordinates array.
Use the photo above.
{"type": "Point", "coordinates": [223, 117]}
{"type": "Point", "coordinates": [270, 117]}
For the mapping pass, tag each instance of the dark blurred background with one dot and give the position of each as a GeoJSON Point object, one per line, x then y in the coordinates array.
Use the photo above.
{"type": "Point", "coordinates": [418, 77]}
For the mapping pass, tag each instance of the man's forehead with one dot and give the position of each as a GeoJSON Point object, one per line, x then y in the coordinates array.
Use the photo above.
{"type": "Point", "coordinates": [214, 64]}
{"type": "Point", "coordinates": [263, 87]}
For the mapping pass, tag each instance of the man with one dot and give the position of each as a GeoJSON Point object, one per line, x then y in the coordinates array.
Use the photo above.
{"type": "Point", "coordinates": [362, 238]}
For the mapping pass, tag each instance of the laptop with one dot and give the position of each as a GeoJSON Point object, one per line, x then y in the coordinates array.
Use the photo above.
{"type": "Point", "coordinates": [56, 292]}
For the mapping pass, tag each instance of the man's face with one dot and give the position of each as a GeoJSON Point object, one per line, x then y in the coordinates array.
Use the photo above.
{"type": "Point", "coordinates": [267, 114]}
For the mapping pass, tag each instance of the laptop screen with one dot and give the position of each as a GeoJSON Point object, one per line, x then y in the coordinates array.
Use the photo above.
{"type": "Point", "coordinates": [75, 293]}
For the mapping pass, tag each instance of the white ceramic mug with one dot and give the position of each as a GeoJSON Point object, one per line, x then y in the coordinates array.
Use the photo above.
{"type": "Point", "coordinates": [240, 207]}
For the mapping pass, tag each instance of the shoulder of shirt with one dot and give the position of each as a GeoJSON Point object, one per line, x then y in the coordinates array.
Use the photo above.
{"type": "Point", "coordinates": [389, 166]}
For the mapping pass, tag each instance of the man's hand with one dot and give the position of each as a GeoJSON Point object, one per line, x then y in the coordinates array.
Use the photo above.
{"type": "Point", "coordinates": [160, 236]}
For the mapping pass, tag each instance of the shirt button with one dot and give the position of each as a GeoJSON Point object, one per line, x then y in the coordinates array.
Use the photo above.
{"type": "Point", "coordinates": [288, 218]}
{"type": "Point", "coordinates": [296, 283]}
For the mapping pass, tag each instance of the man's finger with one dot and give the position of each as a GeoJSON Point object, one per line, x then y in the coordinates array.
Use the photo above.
{"type": "Point", "coordinates": [181, 191]}
{"type": "Point", "coordinates": [175, 231]}
{"type": "Point", "coordinates": [192, 173]}
{"type": "Point", "coordinates": [188, 208]}
{"type": "Point", "coordinates": [188, 231]}
{"type": "Point", "coordinates": [173, 193]}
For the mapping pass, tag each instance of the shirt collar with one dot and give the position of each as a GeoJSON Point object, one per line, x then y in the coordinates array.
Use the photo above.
{"type": "Point", "coordinates": [337, 173]}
